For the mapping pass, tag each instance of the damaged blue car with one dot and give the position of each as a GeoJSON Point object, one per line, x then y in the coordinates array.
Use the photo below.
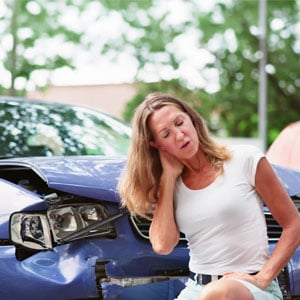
{"type": "Point", "coordinates": [63, 235]}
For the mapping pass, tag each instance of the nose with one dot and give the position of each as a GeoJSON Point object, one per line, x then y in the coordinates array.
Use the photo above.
{"type": "Point", "coordinates": [179, 135]}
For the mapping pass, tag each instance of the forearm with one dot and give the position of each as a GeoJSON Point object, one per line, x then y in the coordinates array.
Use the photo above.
{"type": "Point", "coordinates": [271, 190]}
{"type": "Point", "coordinates": [164, 234]}
{"type": "Point", "coordinates": [286, 246]}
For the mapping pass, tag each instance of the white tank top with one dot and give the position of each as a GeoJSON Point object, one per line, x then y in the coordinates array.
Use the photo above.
{"type": "Point", "coordinates": [224, 222]}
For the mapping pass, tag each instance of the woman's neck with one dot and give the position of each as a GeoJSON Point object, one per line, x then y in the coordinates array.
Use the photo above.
{"type": "Point", "coordinates": [197, 164]}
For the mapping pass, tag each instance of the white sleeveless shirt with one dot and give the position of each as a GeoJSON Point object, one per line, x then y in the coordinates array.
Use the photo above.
{"type": "Point", "coordinates": [224, 222]}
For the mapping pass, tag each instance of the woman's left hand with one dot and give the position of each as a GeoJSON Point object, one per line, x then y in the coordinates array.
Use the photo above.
{"type": "Point", "coordinates": [254, 279]}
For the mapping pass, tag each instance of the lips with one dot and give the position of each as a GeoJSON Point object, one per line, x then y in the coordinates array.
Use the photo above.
{"type": "Point", "coordinates": [185, 145]}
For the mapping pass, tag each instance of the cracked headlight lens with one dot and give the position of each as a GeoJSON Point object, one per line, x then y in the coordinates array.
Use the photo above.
{"type": "Point", "coordinates": [38, 231]}
{"type": "Point", "coordinates": [66, 220]}
{"type": "Point", "coordinates": [30, 231]}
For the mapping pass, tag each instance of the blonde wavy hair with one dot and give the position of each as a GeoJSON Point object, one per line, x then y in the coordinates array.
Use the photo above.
{"type": "Point", "coordinates": [139, 182]}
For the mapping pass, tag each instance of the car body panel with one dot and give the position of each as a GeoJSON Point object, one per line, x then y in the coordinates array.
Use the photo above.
{"type": "Point", "coordinates": [290, 179]}
{"type": "Point", "coordinates": [54, 274]}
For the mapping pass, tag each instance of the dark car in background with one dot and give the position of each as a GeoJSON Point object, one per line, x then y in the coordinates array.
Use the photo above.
{"type": "Point", "coordinates": [42, 128]}
{"type": "Point", "coordinates": [63, 234]}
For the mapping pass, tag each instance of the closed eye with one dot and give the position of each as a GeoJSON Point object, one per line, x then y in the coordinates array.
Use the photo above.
{"type": "Point", "coordinates": [179, 123]}
{"type": "Point", "coordinates": [165, 134]}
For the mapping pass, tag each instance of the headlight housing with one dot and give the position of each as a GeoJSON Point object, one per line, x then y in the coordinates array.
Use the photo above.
{"type": "Point", "coordinates": [31, 231]}
{"type": "Point", "coordinates": [67, 220]}
{"type": "Point", "coordinates": [40, 231]}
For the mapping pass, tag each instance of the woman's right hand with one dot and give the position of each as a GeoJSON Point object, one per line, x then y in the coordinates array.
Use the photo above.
{"type": "Point", "coordinates": [164, 234]}
{"type": "Point", "coordinates": [171, 166]}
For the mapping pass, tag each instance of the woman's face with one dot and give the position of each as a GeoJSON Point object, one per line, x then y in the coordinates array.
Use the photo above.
{"type": "Point", "coordinates": [174, 132]}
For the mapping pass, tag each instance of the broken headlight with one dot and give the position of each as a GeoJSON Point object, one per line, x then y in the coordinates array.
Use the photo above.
{"type": "Point", "coordinates": [59, 225]}
{"type": "Point", "coordinates": [30, 230]}
{"type": "Point", "coordinates": [67, 220]}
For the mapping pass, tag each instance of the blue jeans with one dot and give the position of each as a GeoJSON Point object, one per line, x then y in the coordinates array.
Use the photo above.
{"type": "Point", "coordinates": [273, 292]}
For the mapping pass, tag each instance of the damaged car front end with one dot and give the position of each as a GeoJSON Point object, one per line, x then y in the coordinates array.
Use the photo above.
{"type": "Point", "coordinates": [63, 235]}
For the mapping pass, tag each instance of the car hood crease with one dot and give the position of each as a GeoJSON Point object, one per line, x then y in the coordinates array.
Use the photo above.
{"type": "Point", "coordinates": [76, 175]}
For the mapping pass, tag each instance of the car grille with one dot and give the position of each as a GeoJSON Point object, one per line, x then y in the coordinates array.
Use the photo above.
{"type": "Point", "coordinates": [273, 228]}
{"type": "Point", "coordinates": [142, 225]}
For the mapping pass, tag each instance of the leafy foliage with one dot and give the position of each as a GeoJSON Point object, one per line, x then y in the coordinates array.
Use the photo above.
{"type": "Point", "coordinates": [239, 66]}
{"type": "Point", "coordinates": [198, 99]}
{"type": "Point", "coordinates": [31, 24]}
{"type": "Point", "coordinates": [232, 38]}
{"type": "Point", "coordinates": [226, 38]}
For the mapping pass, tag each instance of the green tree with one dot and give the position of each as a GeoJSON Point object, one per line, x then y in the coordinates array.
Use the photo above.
{"type": "Point", "coordinates": [230, 33]}
{"type": "Point", "coordinates": [237, 59]}
{"type": "Point", "coordinates": [34, 35]}
{"type": "Point", "coordinates": [198, 99]}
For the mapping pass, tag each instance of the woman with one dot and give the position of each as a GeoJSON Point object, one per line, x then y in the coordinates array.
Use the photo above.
{"type": "Point", "coordinates": [177, 175]}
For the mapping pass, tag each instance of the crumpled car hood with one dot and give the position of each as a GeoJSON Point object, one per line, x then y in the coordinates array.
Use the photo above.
{"type": "Point", "coordinates": [96, 176]}
{"type": "Point", "coordinates": [90, 176]}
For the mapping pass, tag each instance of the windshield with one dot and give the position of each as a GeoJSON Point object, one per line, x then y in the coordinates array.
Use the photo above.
{"type": "Point", "coordinates": [31, 128]}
